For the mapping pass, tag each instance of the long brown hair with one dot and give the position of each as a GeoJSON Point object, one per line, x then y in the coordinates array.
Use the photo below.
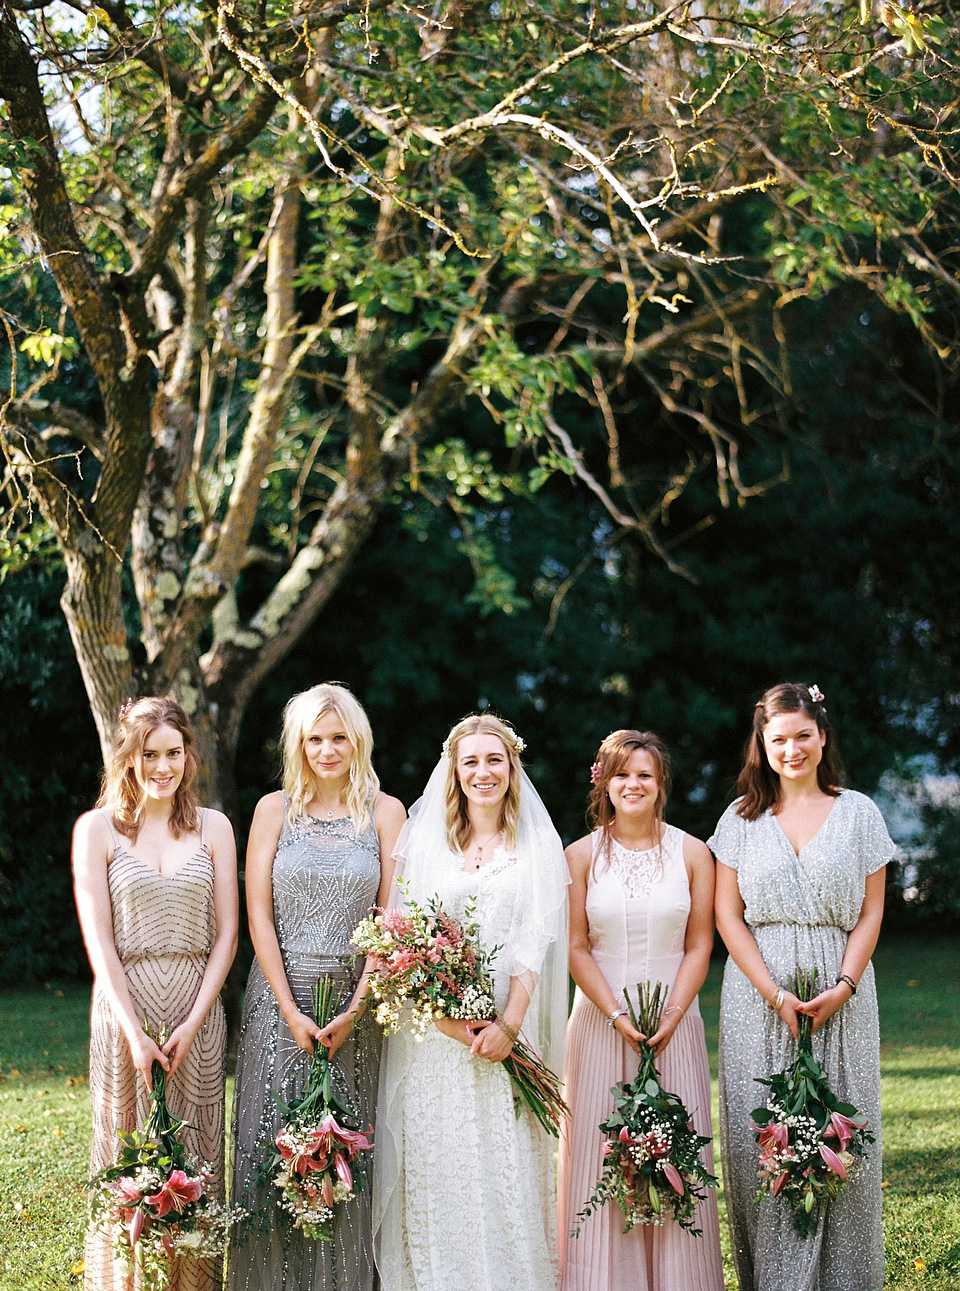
{"type": "Point", "coordinates": [758, 785]}
{"type": "Point", "coordinates": [121, 792]}
{"type": "Point", "coordinates": [458, 822]}
{"type": "Point", "coordinates": [612, 756]}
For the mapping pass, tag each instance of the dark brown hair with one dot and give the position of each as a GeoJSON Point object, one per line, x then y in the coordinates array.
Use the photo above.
{"type": "Point", "coordinates": [612, 757]}
{"type": "Point", "coordinates": [122, 794]}
{"type": "Point", "coordinates": [758, 785]}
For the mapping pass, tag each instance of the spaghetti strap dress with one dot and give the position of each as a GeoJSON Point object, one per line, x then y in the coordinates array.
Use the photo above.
{"type": "Point", "coordinates": [325, 879]}
{"type": "Point", "coordinates": [164, 927]}
{"type": "Point", "coordinates": [800, 910]}
{"type": "Point", "coordinates": [637, 908]}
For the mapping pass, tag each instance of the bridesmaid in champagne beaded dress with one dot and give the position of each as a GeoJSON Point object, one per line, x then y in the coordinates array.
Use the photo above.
{"type": "Point", "coordinates": [156, 887]}
{"type": "Point", "coordinates": [319, 856]}
{"type": "Point", "coordinates": [641, 909]}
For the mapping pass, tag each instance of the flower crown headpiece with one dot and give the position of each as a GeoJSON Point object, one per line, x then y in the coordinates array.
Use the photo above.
{"type": "Point", "coordinates": [518, 743]}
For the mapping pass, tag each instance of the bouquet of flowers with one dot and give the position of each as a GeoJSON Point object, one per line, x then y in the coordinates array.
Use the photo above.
{"type": "Point", "coordinates": [310, 1159]}
{"type": "Point", "coordinates": [652, 1167]}
{"type": "Point", "coordinates": [429, 965]}
{"type": "Point", "coordinates": [153, 1200]}
{"type": "Point", "coordinates": [808, 1139]}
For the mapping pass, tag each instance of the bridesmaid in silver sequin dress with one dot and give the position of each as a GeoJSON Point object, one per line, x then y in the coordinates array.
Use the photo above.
{"type": "Point", "coordinates": [319, 856]}
{"type": "Point", "coordinates": [800, 883]}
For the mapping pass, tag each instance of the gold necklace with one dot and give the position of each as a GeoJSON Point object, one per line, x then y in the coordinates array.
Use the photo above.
{"type": "Point", "coordinates": [478, 859]}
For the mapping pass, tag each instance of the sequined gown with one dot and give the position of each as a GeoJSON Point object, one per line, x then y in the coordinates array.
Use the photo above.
{"type": "Point", "coordinates": [800, 910]}
{"type": "Point", "coordinates": [164, 927]}
{"type": "Point", "coordinates": [637, 909]}
{"type": "Point", "coordinates": [325, 880]}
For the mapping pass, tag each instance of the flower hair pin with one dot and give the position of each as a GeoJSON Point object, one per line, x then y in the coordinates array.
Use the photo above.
{"type": "Point", "coordinates": [816, 694]}
{"type": "Point", "coordinates": [124, 709]}
{"type": "Point", "coordinates": [596, 773]}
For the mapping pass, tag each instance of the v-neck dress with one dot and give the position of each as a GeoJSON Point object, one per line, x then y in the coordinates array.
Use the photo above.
{"type": "Point", "coordinates": [800, 910]}
{"type": "Point", "coordinates": [164, 927]}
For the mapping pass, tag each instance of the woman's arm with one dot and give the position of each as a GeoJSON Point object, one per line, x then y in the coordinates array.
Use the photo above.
{"type": "Point", "coordinates": [262, 844]}
{"type": "Point", "coordinates": [389, 816]}
{"type": "Point", "coordinates": [223, 850]}
{"type": "Point", "coordinates": [744, 951]}
{"type": "Point", "coordinates": [91, 853]}
{"type": "Point", "coordinates": [698, 940]}
{"type": "Point", "coordinates": [583, 967]}
{"type": "Point", "coordinates": [861, 943]}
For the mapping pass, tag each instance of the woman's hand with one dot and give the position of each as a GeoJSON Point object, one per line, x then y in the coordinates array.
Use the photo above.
{"type": "Point", "coordinates": [457, 1029]}
{"type": "Point", "coordinates": [633, 1037]}
{"type": "Point", "coordinates": [788, 1011]}
{"type": "Point", "coordinates": [145, 1053]}
{"type": "Point", "coordinates": [824, 1005]}
{"type": "Point", "coordinates": [178, 1045]}
{"type": "Point", "coordinates": [303, 1029]}
{"type": "Point", "coordinates": [335, 1033]}
{"type": "Point", "coordinates": [491, 1042]}
{"type": "Point", "coordinates": [661, 1037]}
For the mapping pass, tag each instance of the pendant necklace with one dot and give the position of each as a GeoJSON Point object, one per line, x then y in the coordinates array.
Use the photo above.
{"type": "Point", "coordinates": [478, 859]}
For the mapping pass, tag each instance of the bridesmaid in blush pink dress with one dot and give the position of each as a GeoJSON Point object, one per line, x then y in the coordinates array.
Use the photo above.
{"type": "Point", "coordinates": [641, 909]}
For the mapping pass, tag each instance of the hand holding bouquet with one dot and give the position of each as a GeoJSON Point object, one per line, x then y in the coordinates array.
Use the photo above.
{"type": "Point", "coordinates": [153, 1200]}
{"type": "Point", "coordinates": [310, 1159]}
{"type": "Point", "coordinates": [428, 965]}
{"type": "Point", "coordinates": [652, 1167]}
{"type": "Point", "coordinates": [808, 1139]}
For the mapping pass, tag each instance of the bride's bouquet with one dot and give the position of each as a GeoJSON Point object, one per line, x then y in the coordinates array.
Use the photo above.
{"type": "Point", "coordinates": [429, 965]}
{"type": "Point", "coordinates": [808, 1139]}
{"type": "Point", "coordinates": [310, 1159]}
{"type": "Point", "coordinates": [652, 1167]}
{"type": "Point", "coordinates": [154, 1200]}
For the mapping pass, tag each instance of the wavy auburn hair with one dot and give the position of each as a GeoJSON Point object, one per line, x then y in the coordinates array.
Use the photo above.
{"type": "Point", "coordinates": [300, 784]}
{"type": "Point", "coordinates": [122, 792]}
{"type": "Point", "coordinates": [758, 785]}
{"type": "Point", "coordinates": [612, 757]}
{"type": "Point", "coordinates": [457, 820]}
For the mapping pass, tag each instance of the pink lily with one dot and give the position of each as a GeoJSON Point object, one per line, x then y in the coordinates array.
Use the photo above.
{"type": "Point", "coordinates": [779, 1182]}
{"type": "Point", "coordinates": [326, 1190]}
{"type": "Point", "coordinates": [841, 1127]}
{"type": "Point", "coordinates": [176, 1194]}
{"type": "Point", "coordinates": [135, 1225]}
{"type": "Point", "coordinates": [833, 1162]}
{"type": "Point", "coordinates": [673, 1177]}
{"type": "Point", "coordinates": [343, 1170]}
{"type": "Point", "coordinates": [625, 1135]}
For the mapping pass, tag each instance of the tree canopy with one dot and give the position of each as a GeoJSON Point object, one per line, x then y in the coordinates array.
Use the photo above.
{"type": "Point", "coordinates": [269, 268]}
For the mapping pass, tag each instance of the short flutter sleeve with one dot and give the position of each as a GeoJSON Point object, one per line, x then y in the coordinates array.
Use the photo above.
{"type": "Point", "coordinates": [727, 840]}
{"type": "Point", "coordinates": [877, 848]}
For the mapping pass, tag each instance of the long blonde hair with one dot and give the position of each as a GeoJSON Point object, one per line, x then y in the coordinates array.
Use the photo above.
{"type": "Point", "coordinates": [457, 820]}
{"type": "Point", "coordinates": [300, 783]}
{"type": "Point", "coordinates": [121, 792]}
{"type": "Point", "coordinates": [612, 757]}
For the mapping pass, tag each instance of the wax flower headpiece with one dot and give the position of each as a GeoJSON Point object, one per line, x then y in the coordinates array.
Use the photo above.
{"type": "Point", "coordinates": [816, 694]}
{"type": "Point", "coordinates": [518, 743]}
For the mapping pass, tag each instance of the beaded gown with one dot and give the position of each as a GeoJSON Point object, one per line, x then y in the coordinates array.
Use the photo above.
{"type": "Point", "coordinates": [325, 879]}
{"type": "Point", "coordinates": [637, 909]}
{"type": "Point", "coordinates": [800, 910]}
{"type": "Point", "coordinates": [164, 927]}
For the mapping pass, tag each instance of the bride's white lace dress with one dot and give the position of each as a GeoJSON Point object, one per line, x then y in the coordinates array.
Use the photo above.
{"type": "Point", "coordinates": [471, 1205]}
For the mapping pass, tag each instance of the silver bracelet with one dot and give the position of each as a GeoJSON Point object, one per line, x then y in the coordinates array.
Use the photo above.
{"type": "Point", "coordinates": [619, 1013]}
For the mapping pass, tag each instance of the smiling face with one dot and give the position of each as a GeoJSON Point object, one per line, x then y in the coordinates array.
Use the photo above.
{"type": "Point", "coordinates": [483, 769]}
{"type": "Point", "coordinates": [793, 744]}
{"type": "Point", "coordinates": [327, 748]}
{"type": "Point", "coordinates": [161, 764]}
{"type": "Point", "coordinates": [634, 790]}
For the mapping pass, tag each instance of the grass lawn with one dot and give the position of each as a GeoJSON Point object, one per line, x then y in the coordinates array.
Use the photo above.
{"type": "Point", "coordinates": [44, 1121]}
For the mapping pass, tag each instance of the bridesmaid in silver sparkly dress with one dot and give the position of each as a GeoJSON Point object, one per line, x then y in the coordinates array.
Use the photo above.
{"type": "Point", "coordinates": [800, 883]}
{"type": "Point", "coordinates": [319, 856]}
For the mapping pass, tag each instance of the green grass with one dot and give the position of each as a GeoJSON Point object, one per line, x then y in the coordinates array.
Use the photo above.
{"type": "Point", "coordinates": [45, 1121]}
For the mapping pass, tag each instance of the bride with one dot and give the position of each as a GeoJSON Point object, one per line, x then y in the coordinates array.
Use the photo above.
{"type": "Point", "coordinates": [464, 1195]}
